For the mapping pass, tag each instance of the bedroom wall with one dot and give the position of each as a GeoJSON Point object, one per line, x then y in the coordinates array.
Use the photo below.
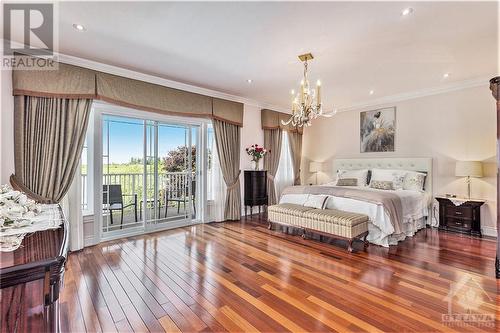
{"type": "Point", "coordinates": [458, 125]}
{"type": "Point", "coordinates": [251, 133]}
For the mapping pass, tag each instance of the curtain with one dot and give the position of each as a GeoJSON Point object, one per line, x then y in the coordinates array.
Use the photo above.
{"type": "Point", "coordinates": [216, 187]}
{"type": "Point", "coordinates": [284, 175]}
{"type": "Point", "coordinates": [71, 205]}
{"type": "Point", "coordinates": [295, 139]}
{"type": "Point", "coordinates": [49, 133]}
{"type": "Point", "coordinates": [272, 142]}
{"type": "Point", "coordinates": [227, 137]}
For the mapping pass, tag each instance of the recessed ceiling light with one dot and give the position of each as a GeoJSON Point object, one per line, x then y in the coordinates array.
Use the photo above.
{"type": "Point", "coordinates": [371, 92]}
{"type": "Point", "coordinates": [79, 27]}
{"type": "Point", "coordinates": [407, 11]}
{"type": "Point", "coordinates": [249, 81]}
{"type": "Point", "coordinates": [446, 75]}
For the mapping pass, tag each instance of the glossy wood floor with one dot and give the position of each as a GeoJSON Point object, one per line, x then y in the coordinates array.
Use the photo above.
{"type": "Point", "coordinates": [241, 277]}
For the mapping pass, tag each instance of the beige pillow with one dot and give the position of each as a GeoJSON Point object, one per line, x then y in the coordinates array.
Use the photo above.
{"type": "Point", "coordinates": [382, 185]}
{"type": "Point", "coordinates": [347, 182]}
{"type": "Point", "coordinates": [414, 181]}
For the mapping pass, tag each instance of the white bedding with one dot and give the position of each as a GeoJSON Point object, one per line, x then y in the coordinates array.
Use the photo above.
{"type": "Point", "coordinates": [381, 232]}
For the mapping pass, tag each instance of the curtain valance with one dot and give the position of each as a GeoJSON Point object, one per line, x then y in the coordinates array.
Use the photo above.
{"type": "Point", "coordinates": [228, 111]}
{"type": "Point", "coordinates": [151, 97]}
{"type": "Point", "coordinates": [68, 81]}
{"type": "Point", "coordinates": [270, 119]}
{"type": "Point", "coordinates": [273, 119]}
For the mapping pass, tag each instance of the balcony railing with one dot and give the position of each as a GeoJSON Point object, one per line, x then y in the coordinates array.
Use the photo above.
{"type": "Point", "coordinates": [133, 183]}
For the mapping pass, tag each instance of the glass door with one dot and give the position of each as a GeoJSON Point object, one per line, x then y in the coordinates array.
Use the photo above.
{"type": "Point", "coordinates": [172, 189]}
{"type": "Point", "coordinates": [150, 174]}
{"type": "Point", "coordinates": [122, 173]}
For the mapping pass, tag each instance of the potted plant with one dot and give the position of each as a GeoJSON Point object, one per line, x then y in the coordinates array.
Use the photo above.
{"type": "Point", "coordinates": [256, 152]}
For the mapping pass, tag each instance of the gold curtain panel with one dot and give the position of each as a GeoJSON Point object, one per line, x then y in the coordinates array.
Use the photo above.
{"type": "Point", "coordinates": [68, 81]}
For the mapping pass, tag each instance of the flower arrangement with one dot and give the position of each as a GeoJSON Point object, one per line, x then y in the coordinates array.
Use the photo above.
{"type": "Point", "coordinates": [15, 208]}
{"type": "Point", "coordinates": [257, 152]}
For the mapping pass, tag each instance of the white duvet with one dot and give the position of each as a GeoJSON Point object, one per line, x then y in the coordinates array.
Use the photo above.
{"type": "Point", "coordinates": [381, 232]}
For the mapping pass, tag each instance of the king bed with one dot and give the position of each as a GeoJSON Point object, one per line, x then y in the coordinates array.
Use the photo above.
{"type": "Point", "coordinates": [384, 189]}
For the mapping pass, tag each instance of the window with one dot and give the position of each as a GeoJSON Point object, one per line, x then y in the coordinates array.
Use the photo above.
{"type": "Point", "coordinates": [284, 175]}
{"type": "Point", "coordinates": [86, 170]}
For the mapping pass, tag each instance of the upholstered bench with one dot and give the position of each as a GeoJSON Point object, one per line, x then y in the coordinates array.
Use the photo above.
{"type": "Point", "coordinates": [328, 222]}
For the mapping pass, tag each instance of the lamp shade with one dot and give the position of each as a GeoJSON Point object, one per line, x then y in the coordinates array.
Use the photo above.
{"type": "Point", "coordinates": [469, 169]}
{"type": "Point", "coordinates": [314, 166]}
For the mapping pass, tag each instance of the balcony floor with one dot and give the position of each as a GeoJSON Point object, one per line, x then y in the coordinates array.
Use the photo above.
{"type": "Point", "coordinates": [129, 216]}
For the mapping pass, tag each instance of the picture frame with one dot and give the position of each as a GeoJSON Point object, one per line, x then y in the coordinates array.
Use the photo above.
{"type": "Point", "coordinates": [377, 130]}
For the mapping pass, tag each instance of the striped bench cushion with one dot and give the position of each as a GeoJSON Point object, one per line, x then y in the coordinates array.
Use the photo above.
{"type": "Point", "coordinates": [331, 221]}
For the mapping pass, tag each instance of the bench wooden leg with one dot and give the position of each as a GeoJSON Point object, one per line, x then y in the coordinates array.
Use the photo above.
{"type": "Point", "coordinates": [349, 247]}
{"type": "Point", "coordinates": [365, 242]}
{"type": "Point", "coordinates": [270, 226]}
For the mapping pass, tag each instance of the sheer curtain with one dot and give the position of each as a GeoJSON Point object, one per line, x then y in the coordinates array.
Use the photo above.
{"type": "Point", "coordinates": [71, 205]}
{"type": "Point", "coordinates": [284, 176]}
{"type": "Point", "coordinates": [216, 186]}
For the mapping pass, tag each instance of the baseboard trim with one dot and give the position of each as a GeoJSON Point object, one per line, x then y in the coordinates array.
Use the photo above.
{"type": "Point", "coordinates": [489, 231]}
{"type": "Point", "coordinates": [89, 241]}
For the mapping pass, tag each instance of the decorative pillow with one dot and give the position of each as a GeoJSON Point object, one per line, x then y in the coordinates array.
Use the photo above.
{"type": "Point", "coordinates": [347, 182]}
{"type": "Point", "coordinates": [395, 176]}
{"type": "Point", "coordinates": [297, 199]}
{"type": "Point", "coordinates": [316, 201]}
{"type": "Point", "coordinates": [360, 175]}
{"type": "Point", "coordinates": [382, 184]}
{"type": "Point", "coordinates": [414, 181]}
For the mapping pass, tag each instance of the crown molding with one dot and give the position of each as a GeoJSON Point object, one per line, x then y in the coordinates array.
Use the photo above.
{"type": "Point", "coordinates": [132, 74]}
{"type": "Point", "coordinates": [478, 82]}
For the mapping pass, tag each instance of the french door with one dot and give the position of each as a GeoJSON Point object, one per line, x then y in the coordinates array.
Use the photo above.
{"type": "Point", "coordinates": [151, 172]}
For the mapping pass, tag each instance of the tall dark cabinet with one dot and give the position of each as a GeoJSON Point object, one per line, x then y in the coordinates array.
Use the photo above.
{"type": "Point", "coordinates": [255, 189]}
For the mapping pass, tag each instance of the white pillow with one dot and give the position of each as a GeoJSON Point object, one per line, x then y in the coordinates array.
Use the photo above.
{"type": "Point", "coordinates": [390, 175]}
{"type": "Point", "coordinates": [414, 181]}
{"type": "Point", "coordinates": [297, 199]}
{"type": "Point", "coordinates": [360, 175]}
{"type": "Point", "coordinates": [316, 201]}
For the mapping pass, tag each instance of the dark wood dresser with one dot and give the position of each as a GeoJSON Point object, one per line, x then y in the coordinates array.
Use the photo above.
{"type": "Point", "coordinates": [31, 278]}
{"type": "Point", "coordinates": [255, 189]}
{"type": "Point", "coordinates": [464, 218]}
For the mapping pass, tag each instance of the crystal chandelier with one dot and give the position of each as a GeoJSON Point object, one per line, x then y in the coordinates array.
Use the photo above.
{"type": "Point", "coordinates": [306, 104]}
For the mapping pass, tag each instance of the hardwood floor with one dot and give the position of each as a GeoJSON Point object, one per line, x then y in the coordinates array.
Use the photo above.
{"type": "Point", "coordinates": [243, 277]}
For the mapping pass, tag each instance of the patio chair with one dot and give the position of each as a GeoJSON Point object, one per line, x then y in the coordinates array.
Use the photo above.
{"type": "Point", "coordinates": [178, 196]}
{"type": "Point", "coordinates": [115, 202]}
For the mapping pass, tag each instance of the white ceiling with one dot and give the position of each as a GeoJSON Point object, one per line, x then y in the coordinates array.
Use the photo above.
{"type": "Point", "coordinates": [358, 47]}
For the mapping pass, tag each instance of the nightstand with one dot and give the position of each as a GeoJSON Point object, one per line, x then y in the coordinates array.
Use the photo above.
{"type": "Point", "coordinates": [460, 215]}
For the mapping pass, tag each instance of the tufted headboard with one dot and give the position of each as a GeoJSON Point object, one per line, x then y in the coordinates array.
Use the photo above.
{"type": "Point", "coordinates": [410, 163]}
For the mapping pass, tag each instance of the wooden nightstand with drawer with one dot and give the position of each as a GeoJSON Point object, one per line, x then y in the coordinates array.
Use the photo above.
{"type": "Point", "coordinates": [460, 215]}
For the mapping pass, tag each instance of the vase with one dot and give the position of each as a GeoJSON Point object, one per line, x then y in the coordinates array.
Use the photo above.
{"type": "Point", "coordinates": [256, 165]}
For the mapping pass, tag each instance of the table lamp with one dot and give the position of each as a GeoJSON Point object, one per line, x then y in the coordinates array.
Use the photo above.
{"type": "Point", "coordinates": [468, 169]}
{"type": "Point", "coordinates": [315, 167]}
